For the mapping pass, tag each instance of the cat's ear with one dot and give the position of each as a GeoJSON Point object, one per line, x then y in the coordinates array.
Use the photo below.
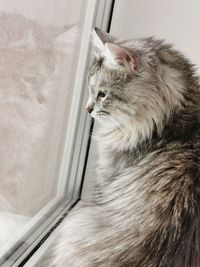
{"type": "Point", "coordinates": [116, 56]}
{"type": "Point", "coordinates": [99, 39]}
{"type": "Point", "coordinates": [105, 45]}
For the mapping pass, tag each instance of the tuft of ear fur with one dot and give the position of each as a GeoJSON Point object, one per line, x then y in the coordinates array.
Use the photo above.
{"type": "Point", "coordinates": [97, 44]}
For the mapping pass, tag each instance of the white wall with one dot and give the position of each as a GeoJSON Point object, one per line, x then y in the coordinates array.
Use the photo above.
{"type": "Point", "coordinates": [177, 21]}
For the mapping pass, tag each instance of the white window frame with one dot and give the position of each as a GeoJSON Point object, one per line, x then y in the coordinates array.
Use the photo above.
{"type": "Point", "coordinates": [34, 236]}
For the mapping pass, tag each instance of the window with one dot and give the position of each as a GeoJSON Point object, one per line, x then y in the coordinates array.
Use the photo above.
{"type": "Point", "coordinates": [44, 128]}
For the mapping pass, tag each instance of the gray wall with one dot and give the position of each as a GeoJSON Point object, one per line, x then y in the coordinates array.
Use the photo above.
{"type": "Point", "coordinates": [177, 21]}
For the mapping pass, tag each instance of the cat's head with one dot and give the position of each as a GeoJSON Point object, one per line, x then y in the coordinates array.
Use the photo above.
{"type": "Point", "coordinates": [135, 86]}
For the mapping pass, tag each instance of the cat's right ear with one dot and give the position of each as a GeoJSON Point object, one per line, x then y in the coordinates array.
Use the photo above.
{"type": "Point", "coordinates": [99, 38]}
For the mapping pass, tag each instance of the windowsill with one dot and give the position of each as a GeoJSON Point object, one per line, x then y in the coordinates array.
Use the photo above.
{"type": "Point", "coordinates": [42, 256]}
{"type": "Point", "coordinates": [9, 224]}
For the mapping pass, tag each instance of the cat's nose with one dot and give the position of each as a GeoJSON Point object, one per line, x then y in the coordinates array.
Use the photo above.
{"type": "Point", "coordinates": [89, 108]}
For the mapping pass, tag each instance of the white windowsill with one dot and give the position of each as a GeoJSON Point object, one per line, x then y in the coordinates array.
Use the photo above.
{"type": "Point", "coordinates": [9, 224]}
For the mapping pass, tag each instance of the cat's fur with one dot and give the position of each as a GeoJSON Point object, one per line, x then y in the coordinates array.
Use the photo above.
{"type": "Point", "coordinates": [146, 209]}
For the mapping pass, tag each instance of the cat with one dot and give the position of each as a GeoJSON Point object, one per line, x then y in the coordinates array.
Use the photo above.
{"type": "Point", "coordinates": [145, 96]}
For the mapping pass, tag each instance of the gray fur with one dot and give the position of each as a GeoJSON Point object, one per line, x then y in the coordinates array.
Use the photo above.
{"type": "Point", "coordinates": [146, 209]}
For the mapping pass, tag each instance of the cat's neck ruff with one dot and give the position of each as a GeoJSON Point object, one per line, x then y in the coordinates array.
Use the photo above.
{"type": "Point", "coordinates": [124, 138]}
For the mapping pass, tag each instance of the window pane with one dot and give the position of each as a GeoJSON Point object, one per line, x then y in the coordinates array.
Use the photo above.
{"type": "Point", "coordinates": [39, 49]}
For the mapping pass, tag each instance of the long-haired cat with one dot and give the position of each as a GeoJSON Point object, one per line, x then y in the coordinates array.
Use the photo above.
{"type": "Point", "coordinates": [146, 209]}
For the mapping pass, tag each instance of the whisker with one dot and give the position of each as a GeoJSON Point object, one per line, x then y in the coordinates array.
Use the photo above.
{"type": "Point", "coordinates": [119, 126]}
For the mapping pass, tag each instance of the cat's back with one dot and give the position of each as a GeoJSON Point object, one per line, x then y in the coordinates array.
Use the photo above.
{"type": "Point", "coordinates": [173, 179]}
{"type": "Point", "coordinates": [167, 201]}
{"type": "Point", "coordinates": [177, 166]}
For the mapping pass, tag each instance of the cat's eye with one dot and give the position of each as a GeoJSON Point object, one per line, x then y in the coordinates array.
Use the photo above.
{"type": "Point", "coordinates": [101, 94]}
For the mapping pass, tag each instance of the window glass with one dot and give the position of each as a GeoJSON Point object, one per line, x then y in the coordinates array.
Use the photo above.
{"type": "Point", "coordinates": [39, 49]}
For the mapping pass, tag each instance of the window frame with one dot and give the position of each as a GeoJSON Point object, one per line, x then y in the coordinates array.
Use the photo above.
{"type": "Point", "coordinates": [76, 146]}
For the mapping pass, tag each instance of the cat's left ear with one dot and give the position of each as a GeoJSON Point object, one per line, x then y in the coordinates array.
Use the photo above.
{"type": "Point", "coordinates": [99, 39]}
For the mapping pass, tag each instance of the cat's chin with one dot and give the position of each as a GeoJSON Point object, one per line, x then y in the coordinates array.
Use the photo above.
{"type": "Point", "coordinates": [101, 118]}
{"type": "Point", "coordinates": [105, 123]}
